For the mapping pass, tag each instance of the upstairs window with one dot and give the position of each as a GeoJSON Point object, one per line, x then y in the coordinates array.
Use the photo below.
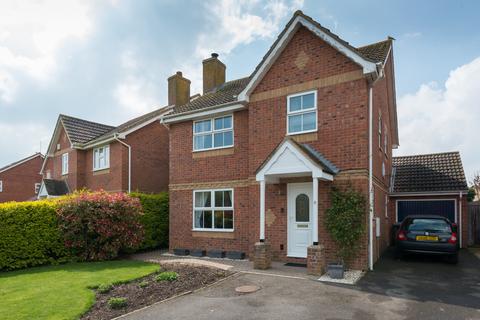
{"type": "Point", "coordinates": [380, 130]}
{"type": "Point", "coordinates": [101, 158]}
{"type": "Point", "coordinates": [1, 186]}
{"type": "Point", "coordinates": [37, 187]}
{"type": "Point", "coordinates": [213, 133]}
{"type": "Point", "coordinates": [385, 140]}
{"type": "Point", "coordinates": [302, 112]}
{"type": "Point", "coordinates": [65, 163]}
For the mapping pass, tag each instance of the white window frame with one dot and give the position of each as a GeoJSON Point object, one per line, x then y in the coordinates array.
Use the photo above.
{"type": "Point", "coordinates": [212, 133]}
{"type": "Point", "coordinates": [65, 163]}
{"type": "Point", "coordinates": [37, 187]}
{"type": "Point", "coordinates": [106, 152]}
{"type": "Point", "coordinates": [213, 208]}
{"type": "Point", "coordinates": [1, 185]}
{"type": "Point", "coordinates": [380, 124]}
{"type": "Point", "coordinates": [292, 113]}
{"type": "Point", "coordinates": [385, 140]}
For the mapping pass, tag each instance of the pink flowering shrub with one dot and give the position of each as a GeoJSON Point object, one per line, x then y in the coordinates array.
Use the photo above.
{"type": "Point", "coordinates": [96, 226]}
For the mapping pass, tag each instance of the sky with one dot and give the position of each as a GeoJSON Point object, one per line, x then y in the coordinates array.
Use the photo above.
{"type": "Point", "coordinates": [108, 61]}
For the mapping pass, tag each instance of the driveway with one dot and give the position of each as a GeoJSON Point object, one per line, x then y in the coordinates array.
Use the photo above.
{"type": "Point", "coordinates": [416, 288]}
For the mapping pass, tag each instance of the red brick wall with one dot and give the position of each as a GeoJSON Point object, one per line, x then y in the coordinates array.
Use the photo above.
{"type": "Point", "coordinates": [19, 182]}
{"type": "Point", "coordinates": [342, 138]}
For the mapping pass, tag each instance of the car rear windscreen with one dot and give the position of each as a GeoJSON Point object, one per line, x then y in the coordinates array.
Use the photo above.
{"type": "Point", "coordinates": [430, 225]}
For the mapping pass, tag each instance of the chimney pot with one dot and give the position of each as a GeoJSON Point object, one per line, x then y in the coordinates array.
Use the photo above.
{"type": "Point", "coordinates": [214, 55]}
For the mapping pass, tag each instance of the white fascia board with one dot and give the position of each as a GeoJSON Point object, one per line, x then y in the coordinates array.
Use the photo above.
{"type": "Point", "coordinates": [421, 194]}
{"type": "Point", "coordinates": [368, 66]}
{"type": "Point", "coordinates": [204, 113]}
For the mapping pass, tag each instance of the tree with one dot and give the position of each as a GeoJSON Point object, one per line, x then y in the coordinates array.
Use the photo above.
{"type": "Point", "coordinates": [475, 184]}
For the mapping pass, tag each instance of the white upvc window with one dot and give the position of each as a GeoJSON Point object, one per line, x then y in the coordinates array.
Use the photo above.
{"type": "Point", "coordinates": [65, 163]}
{"type": "Point", "coordinates": [302, 112]}
{"type": "Point", "coordinates": [214, 133]}
{"type": "Point", "coordinates": [1, 186]}
{"type": "Point", "coordinates": [385, 140]}
{"type": "Point", "coordinates": [101, 158]}
{"type": "Point", "coordinates": [37, 187]}
{"type": "Point", "coordinates": [213, 210]}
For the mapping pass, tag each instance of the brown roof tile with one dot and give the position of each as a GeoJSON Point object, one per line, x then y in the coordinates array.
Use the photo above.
{"type": "Point", "coordinates": [429, 172]}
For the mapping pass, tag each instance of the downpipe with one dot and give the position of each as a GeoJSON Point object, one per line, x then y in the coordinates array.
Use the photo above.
{"type": "Point", "coordinates": [129, 162]}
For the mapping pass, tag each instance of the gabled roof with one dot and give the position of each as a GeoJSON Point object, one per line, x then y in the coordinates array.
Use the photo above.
{"type": "Point", "coordinates": [53, 188]}
{"type": "Point", "coordinates": [19, 162]}
{"type": "Point", "coordinates": [436, 172]}
{"type": "Point", "coordinates": [235, 91]}
{"type": "Point", "coordinates": [304, 154]}
{"type": "Point", "coordinates": [81, 131]}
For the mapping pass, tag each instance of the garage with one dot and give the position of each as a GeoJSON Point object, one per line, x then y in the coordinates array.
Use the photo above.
{"type": "Point", "coordinates": [444, 208]}
{"type": "Point", "coordinates": [432, 184]}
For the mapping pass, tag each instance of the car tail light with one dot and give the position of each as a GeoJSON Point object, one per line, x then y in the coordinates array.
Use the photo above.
{"type": "Point", "coordinates": [453, 238]}
{"type": "Point", "coordinates": [401, 236]}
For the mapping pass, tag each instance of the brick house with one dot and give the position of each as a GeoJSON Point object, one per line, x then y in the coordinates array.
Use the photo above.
{"type": "Point", "coordinates": [20, 181]}
{"type": "Point", "coordinates": [85, 154]}
{"type": "Point", "coordinates": [253, 160]}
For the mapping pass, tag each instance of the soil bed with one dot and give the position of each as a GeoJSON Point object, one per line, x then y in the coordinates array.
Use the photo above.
{"type": "Point", "coordinates": [140, 294]}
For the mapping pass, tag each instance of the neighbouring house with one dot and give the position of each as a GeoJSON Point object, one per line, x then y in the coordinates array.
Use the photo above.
{"type": "Point", "coordinates": [430, 184]}
{"type": "Point", "coordinates": [84, 154]}
{"type": "Point", "coordinates": [20, 181]}
{"type": "Point", "coordinates": [253, 160]}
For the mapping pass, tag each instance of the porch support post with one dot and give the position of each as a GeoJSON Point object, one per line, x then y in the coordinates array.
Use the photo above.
{"type": "Point", "coordinates": [315, 211]}
{"type": "Point", "coordinates": [262, 211]}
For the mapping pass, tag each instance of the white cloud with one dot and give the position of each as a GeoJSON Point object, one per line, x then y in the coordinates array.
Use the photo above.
{"type": "Point", "coordinates": [437, 119]}
{"type": "Point", "coordinates": [35, 133]}
{"type": "Point", "coordinates": [412, 35]}
{"type": "Point", "coordinates": [32, 32]}
{"type": "Point", "coordinates": [234, 23]}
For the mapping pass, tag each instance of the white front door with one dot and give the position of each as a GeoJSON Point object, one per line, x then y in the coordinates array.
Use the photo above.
{"type": "Point", "coordinates": [299, 210]}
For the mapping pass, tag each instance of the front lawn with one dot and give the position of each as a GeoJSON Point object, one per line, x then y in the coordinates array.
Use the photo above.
{"type": "Point", "coordinates": [62, 292]}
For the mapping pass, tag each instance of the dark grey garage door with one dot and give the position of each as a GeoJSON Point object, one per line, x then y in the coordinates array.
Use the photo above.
{"type": "Point", "coordinates": [444, 208]}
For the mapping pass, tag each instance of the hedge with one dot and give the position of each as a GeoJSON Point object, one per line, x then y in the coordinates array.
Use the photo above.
{"type": "Point", "coordinates": [154, 219]}
{"type": "Point", "coordinates": [29, 235]}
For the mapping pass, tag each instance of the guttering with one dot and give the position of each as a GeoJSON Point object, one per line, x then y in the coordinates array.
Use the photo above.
{"type": "Point", "coordinates": [115, 137]}
{"type": "Point", "coordinates": [222, 108]}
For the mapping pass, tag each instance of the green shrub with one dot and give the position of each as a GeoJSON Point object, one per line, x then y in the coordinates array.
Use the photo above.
{"type": "Point", "coordinates": [29, 235]}
{"type": "Point", "coordinates": [104, 288]}
{"type": "Point", "coordinates": [345, 221]}
{"type": "Point", "coordinates": [166, 276]}
{"type": "Point", "coordinates": [154, 219]}
{"type": "Point", "coordinates": [96, 226]}
{"type": "Point", "coordinates": [117, 303]}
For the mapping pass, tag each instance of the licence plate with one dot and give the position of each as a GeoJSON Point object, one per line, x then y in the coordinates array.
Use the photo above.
{"type": "Point", "coordinates": [426, 238]}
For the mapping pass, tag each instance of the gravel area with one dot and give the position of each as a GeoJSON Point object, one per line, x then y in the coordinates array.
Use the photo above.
{"type": "Point", "coordinates": [350, 277]}
{"type": "Point", "coordinates": [146, 291]}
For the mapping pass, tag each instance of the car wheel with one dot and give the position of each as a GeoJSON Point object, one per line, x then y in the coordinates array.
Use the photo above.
{"type": "Point", "coordinates": [453, 259]}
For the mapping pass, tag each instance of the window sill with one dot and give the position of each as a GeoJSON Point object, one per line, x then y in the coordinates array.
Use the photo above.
{"type": "Point", "coordinates": [302, 132]}
{"type": "Point", "coordinates": [212, 152]}
{"type": "Point", "coordinates": [227, 234]}
{"type": "Point", "coordinates": [101, 171]}
{"type": "Point", "coordinates": [305, 137]}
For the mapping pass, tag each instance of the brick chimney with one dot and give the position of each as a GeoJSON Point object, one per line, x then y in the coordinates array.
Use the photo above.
{"type": "Point", "coordinates": [178, 90]}
{"type": "Point", "coordinates": [213, 73]}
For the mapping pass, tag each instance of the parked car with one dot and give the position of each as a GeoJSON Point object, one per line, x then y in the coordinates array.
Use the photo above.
{"type": "Point", "coordinates": [427, 234]}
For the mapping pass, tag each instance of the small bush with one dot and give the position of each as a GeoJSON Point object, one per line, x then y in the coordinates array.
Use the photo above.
{"type": "Point", "coordinates": [154, 219]}
{"type": "Point", "coordinates": [167, 276]}
{"type": "Point", "coordinates": [117, 303]}
{"type": "Point", "coordinates": [104, 288]}
{"type": "Point", "coordinates": [345, 221]}
{"type": "Point", "coordinates": [29, 235]}
{"type": "Point", "coordinates": [143, 284]}
{"type": "Point", "coordinates": [96, 226]}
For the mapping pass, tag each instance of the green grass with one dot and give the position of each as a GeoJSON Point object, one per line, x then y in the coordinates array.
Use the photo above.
{"type": "Point", "coordinates": [62, 292]}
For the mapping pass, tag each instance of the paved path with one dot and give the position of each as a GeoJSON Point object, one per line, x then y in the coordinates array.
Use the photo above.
{"type": "Point", "coordinates": [409, 289]}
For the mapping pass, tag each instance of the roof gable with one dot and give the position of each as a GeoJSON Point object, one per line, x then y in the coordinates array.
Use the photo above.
{"type": "Point", "coordinates": [437, 172]}
{"type": "Point", "coordinates": [19, 162]}
{"type": "Point", "coordinates": [298, 20]}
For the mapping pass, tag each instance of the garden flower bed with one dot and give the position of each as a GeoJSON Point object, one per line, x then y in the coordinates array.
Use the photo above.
{"type": "Point", "coordinates": [172, 280]}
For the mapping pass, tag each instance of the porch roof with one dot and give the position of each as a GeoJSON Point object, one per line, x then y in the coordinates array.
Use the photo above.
{"type": "Point", "coordinates": [291, 158]}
